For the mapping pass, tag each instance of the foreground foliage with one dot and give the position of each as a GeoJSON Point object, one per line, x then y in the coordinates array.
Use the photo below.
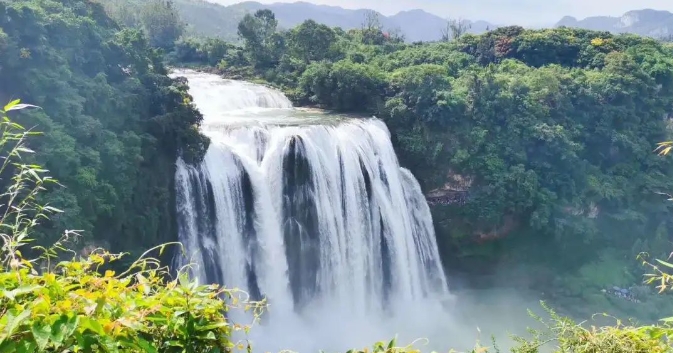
{"type": "Point", "coordinates": [52, 305]}
{"type": "Point", "coordinates": [74, 308]}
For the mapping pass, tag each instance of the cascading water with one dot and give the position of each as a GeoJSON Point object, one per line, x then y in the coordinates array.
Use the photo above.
{"type": "Point", "coordinates": [312, 212]}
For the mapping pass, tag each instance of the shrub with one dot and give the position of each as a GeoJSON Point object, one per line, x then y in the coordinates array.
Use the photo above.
{"type": "Point", "coordinates": [76, 305]}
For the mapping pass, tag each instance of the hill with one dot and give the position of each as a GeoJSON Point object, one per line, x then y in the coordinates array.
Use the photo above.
{"type": "Point", "coordinates": [213, 20]}
{"type": "Point", "coordinates": [647, 22]}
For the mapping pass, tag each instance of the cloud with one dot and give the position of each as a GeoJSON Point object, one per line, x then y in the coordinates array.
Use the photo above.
{"type": "Point", "coordinates": [523, 12]}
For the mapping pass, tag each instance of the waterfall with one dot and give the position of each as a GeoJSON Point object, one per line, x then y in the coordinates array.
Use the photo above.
{"type": "Point", "coordinates": [313, 213]}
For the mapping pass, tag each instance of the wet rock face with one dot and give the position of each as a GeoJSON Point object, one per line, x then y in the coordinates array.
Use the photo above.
{"type": "Point", "coordinates": [631, 294]}
{"type": "Point", "coordinates": [448, 197]}
{"type": "Point", "coordinates": [454, 192]}
{"type": "Point", "coordinates": [457, 191]}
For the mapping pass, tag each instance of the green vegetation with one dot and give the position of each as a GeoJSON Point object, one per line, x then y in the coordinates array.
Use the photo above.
{"type": "Point", "coordinates": [550, 132]}
{"type": "Point", "coordinates": [114, 123]}
{"type": "Point", "coordinates": [157, 18]}
{"type": "Point", "coordinates": [53, 305]}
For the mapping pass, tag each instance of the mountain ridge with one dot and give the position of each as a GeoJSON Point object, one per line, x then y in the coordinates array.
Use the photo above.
{"type": "Point", "coordinates": [646, 22]}
{"type": "Point", "coordinates": [415, 24]}
{"type": "Point", "coordinates": [207, 18]}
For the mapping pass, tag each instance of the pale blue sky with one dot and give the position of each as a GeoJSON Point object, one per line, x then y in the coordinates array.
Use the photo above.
{"type": "Point", "coordinates": [524, 12]}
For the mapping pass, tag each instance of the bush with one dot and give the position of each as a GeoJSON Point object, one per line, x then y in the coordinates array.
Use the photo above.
{"type": "Point", "coordinates": [76, 305]}
{"type": "Point", "coordinates": [72, 307]}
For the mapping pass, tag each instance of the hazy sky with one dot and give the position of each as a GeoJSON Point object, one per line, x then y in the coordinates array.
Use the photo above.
{"type": "Point", "coordinates": [524, 12]}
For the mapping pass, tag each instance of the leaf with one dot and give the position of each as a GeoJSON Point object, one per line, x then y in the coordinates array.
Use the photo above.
{"type": "Point", "coordinates": [53, 209]}
{"type": "Point", "coordinates": [25, 346]}
{"type": "Point", "coordinates": [63, 328]}
{"type": "Point", "coordinates": [110, 344]}
{"type": "Point", "coordinates": [25, 149]}
{"type": "Point", "coordinates": [11, 104]}
{"type": "Point", "coordinates": [8, 347]}
{"type": "Point", "coordinates": [13, 322]}
{"type": "Point", "coordinates": [665, 263]}
{"type": "Point", "coordinates": [212, 326]}
{"type": "Point", "coordinates": [92, 325]}
{"type": "Point", "coordinates": [146, 346]}
{"type": "Point", "coordinates": [41, 334]}
{"type": "Point", "coordinates": [174, 343]}
{"type": "Point", "coordinates": [22, 106]}
{"type": "Point", "coordinates": [665, 151]}
{"type": "Point", "coordinates": [12, 294]}
{"type": "Point", "coordinates": [392, 343]}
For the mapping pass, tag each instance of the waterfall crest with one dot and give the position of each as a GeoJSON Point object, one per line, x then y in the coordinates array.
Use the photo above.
{"type": "Point", "coordinates": [314, 214]}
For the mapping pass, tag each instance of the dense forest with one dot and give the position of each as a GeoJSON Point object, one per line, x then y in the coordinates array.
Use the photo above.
{"type": "Point", "coordinates": [113, 122]}
{"type": "Point", "coordinates": [539, 142]}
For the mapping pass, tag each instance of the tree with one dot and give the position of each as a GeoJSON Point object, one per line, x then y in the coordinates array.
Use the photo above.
{"type": "Point", "coordinates": [455, 28]}
{"type": "Point", "coordinates": [344, 86]}
{"type": "Point", "coordinates": [372, 29]}
{"type": "Point", "coordinates": [161, 23]}
{"type": "Point", "coordinates": [261, 40]}
{"type": "Point", "coordinates": [114, 122]}
{"type": "Point", "coordinates": [312, 41]}
{"type": "Point", "coordinates": [159, 19]}
{"type": "Point", "coordinates": [396, 35]}
{"type": "Point", "coordinates": [372, 21]}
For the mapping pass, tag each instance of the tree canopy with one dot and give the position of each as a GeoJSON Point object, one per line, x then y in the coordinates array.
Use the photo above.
{"type": "Point", "coordinates": [114, 122]}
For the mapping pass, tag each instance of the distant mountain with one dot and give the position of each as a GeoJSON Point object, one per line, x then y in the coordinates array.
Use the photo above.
{"type": "Point", "coordinates": [648, 22]}
{"type": "Point", "coordinates": [211, 19]}
{"type": "Point", "coordinates": [419, 25]}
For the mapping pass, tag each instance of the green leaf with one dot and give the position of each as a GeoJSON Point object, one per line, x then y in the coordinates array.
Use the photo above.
{"type": "Point", "coordinates": [71, 326]}
{"type": "Point", "coordinates": [86, 341]}
{"type": "Point", "coordinates": [146, 346]}
{"type": "Point", "coordinates": [11, 104]}
{"type": "Point", "coordinates": [212, 326]}
{"type": "Point", "coordinates": [110, 344]}
{"type": "Point", "coordinates": [174, 343]}
{"type": "Point", "coordinates": [13, 322]}
{"type": "Point", "coordinates": [25, 346]}
{"type": "Point", "coordinates": [41, 334]}
{"type": "Point", "coordinates": [392, 343]}
{"type": "Point", "coordinates": [8, 347]}
{"type": "Point", "coordinates": [63, 328]}
{"type": "Point", "coordinates": [91, 325]}
{"type": "Point", "coordinates": [665, 263]}
{"type": "Point", "coordinates": [12, 294]}
{"type": "Point", "coordinates": [34, 174]}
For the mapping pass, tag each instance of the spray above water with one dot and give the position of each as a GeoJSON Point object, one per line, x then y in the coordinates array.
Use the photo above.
{"type": "Point", "coordinates": [313, 213]}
